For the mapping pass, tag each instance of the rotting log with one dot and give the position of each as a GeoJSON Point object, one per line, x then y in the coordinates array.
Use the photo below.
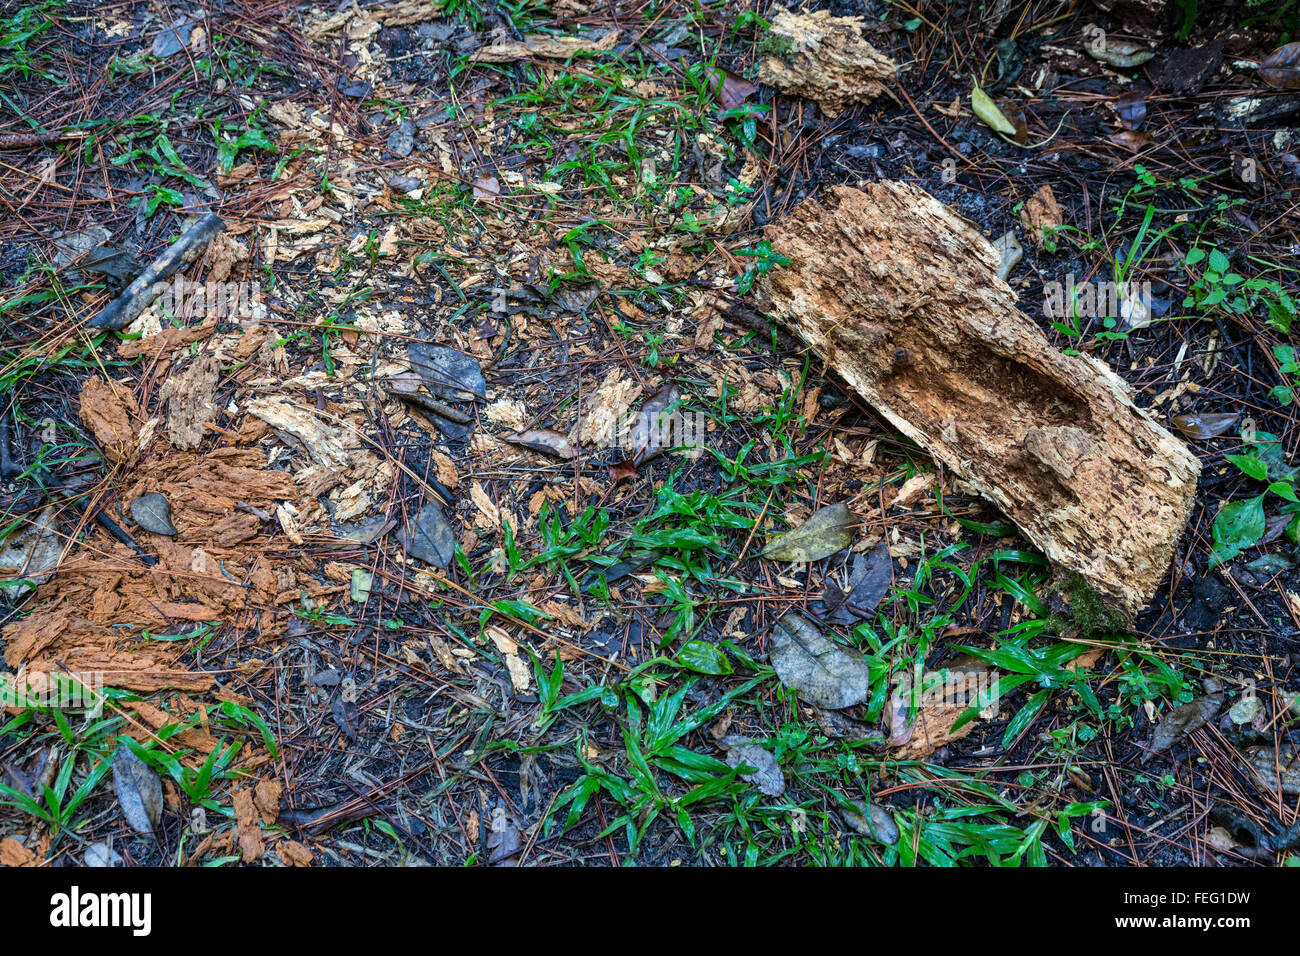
{"type": "Point", "coordinates": [901, 297]}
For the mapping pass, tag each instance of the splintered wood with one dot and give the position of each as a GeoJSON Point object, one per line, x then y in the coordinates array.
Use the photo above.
{"type": "Point", "coordinates": [825, 59]}
{"type": "Point", "coordinates": [901, 297]}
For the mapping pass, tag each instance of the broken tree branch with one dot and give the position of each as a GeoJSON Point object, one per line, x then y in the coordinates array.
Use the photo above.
{"type": "Point", "coordinates": [147, 286]}
{"type": "Point", "coordinates": [902, 298]}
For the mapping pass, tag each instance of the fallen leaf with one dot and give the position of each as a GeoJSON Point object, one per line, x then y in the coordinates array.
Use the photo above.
{"type": "Point", "coordinates": [827, 531]}
{"type": "Point", "coordinates": [1011, 252]}
{"type": "Point", "coordinates": [448, 373]}
{"type": "Point", "coordinates": [622, 470]}
{"type": "Point", "coordinates": [1131, 108]}
{"type": "Point", "coordinates": [102, 855]}
{"type": "Point", "coordinates": [504, 840]}
{"type": "Point", "coordinates": [430, 537]}
{"type": "Point", "coordinates": [730, 90]}
{"type": "Point", "coordinates": [545, 441]}
{"type": "Point", "coordinates": [766, 775]}
{"type": "Point", "coordinates": [1121, 54]}
{"type": "Point", "coordinates": [1281, 68]}
{"type": "Point", "coordinates": [30, 555]}
{"type": "Point", "coordinates": [1131, 140]}
{"type": "Point", "coordinates": [1268, 762]}
{"type": "Point", "coordinates": [1041, 215]}
{"type": "Point", "coordinates": [153, 512]}
{"type": "Point", "coordinates": [521, 678]}
{"type": "Point", "coordinates": [919, 726]}
{"type": "Point", "coordinates": [872, 821]}
{"type": "Point", "coordinates": [1246, 709]}
{"type": "Point", "coordinates": [1181, 722]}
{"type": "Point", "coordinates": [871, 581]}
{"type": "Point", "coordinates": [138, 789]}
{"type": "Point", "coordinates": [824, 673]}
{"type": "Point", "coordinates": [1209, 425]}
{"type": "Point", "coordinates": [983, 107]}
{"type": "Point", "coordinates": [487, 188]}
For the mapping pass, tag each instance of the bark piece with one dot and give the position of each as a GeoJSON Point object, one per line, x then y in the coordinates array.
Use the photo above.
{"type": "Point", "coordinates": [902, 298]}
{"type": "Point", "coordinates": [825, 59]}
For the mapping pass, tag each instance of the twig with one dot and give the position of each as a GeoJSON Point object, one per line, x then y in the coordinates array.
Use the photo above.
{"type": "Point", "coordinates": [28, 140]}
{"type": "Point", "coordinates": [432, 405]}
{"type": "Point", "coordinates": [8, 467]}
{"type": "Point", "coordinates": [123, 311]}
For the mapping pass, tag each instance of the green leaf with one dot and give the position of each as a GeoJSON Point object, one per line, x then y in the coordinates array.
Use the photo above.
{"type": "Point", "coordinates": [1250, 465]}
{"type": "Point", "coordinates": [703, 658]}
{"type": "Point", "coordinates": [1283, 489]}
{"type": "Point", "coordinates": [1237, 527]}
{"type": "Point", "coordinates": [983, 107]}
{"type": "Point", "coordinates": [828, 530]}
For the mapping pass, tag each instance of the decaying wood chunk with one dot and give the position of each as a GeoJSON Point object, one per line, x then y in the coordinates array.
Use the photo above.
{"type": "Point", "coordinates": [901, 297]}
{"type": "Point", "coordinates": [825, 59]}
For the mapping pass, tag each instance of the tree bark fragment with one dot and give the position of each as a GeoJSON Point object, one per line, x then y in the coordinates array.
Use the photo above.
{"type": "Point", "coordinates": [901, 297]}
{"type": "Point", "coordinates": [825, 59]}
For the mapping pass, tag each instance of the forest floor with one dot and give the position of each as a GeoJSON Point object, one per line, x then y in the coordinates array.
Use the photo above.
{"type": "Point", "coordinates": [331, 618]}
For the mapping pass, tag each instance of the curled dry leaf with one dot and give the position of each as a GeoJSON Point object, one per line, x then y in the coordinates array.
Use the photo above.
{"type": "Point", "coordinates": [1121, 54]}
{"type": "Point", "coordinates": [730, 90]}
{"type": "Point", "coordinates": [153, 512]}
{"type": "Point", "coordinates": [872, 821]}
{"type": "Point", "coordinates": [827, 531]}
{"type": "Point", "coordinates": [621, 470]}
{"type": "Point", "coordinates": [1281, 68]}
{"type": "Point", "coordinates": [1181, 722]}
{"type": "Point", "coordinates": [1010, 252]}
{"type": "Point", "coordinates": [545, 441]}
{"type": "Point", "coordinates": [102, 855]}
{"type": "Point", "coordinates": [138, 789]}
{"type": "Point", "coordinates": [869, 582]}
{"type": "Point", "coordinates": [1131, 108]}
{"type": "Point", "coordinates": [919, 726]}
{"type": "Point", "coordinates": [505, 839]}
{"type": "Point", "coordinates": [984, 107]}
{"type": "Point", "coordinates": [1041, 214]}
{"type": "Point", "coordinates": [487, 188]}
{"type": "Point", "coordinates": [1131, 140]}
{"type": "Point", "coordinates": [1209, 425]}
{"type": "Point", "coordinates": [824, 673]}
